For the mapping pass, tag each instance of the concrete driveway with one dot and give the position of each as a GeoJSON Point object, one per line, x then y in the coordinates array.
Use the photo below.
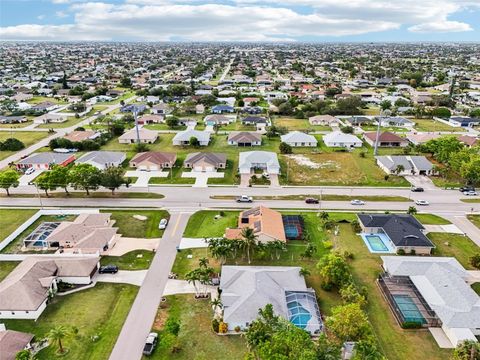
{"type": "Point", "coordinates": [201, 178]}
{"type": "Point", "coordinates": [144, 176]}
{"type": "Point", "coordinates": [26, 179]}
{"type": "Point", "coordinates": [124, 245]}
{"type": "Point", "coordinates": [421, 181]}
{"type": "Point", "coordinates": [245, 180]}
{"type": "Point", "coordinates": [274, 181]}
{"type": "Point", "coordinates": [123, 277]}
{"type": "Point", "coordinates": [183, 287]}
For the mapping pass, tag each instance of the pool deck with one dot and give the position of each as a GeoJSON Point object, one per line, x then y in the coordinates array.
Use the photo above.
{"type": "Point", "coordinates": [383, 238]}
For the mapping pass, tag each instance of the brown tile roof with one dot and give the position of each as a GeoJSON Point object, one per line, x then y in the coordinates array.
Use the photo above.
{"type": "Point", "coordinates": [468, 140]}
{"type": "Point", "coordinates": [384, 137]}
{"type": "Point", "coordinates": [11, 342]}
{"type": "Point", "coordinates": [244, 136]}
{"type": "Point", "coordinates": [154, 157]}
{"type": "Point", "coordinates": [79, 135]}
{"type": "Point", "coordinates": [205, 157]}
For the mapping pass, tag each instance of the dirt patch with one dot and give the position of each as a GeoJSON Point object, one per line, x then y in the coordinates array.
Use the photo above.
{"type": "Point", "coordinates": [161, 317]}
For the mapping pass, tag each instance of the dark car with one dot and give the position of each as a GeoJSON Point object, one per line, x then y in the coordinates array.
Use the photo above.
{"type": "Point", "coordinates": [108, 269]}
{"type": "Point", "coordinates": [466, 189]}
{"type": "Point", "coordinates": [417, 189]}
{"type": "Point", "coordinates": [312, 201]}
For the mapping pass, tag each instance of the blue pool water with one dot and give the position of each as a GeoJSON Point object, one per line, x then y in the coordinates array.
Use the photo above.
{"type": "Point", "coordinates": [408, 309]}
{"type": "Point", "coordinates": [299, 315]}
{"type": "Point", "coordinates": [378, 243]}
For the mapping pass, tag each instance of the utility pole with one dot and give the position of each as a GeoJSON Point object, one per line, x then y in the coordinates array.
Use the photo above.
{"type": "Point", "coordinates": [383, 114]}
{"type": "Point", "coordinates": [39, 196]}
{"type": "Point", "coordinates": [135, 116]}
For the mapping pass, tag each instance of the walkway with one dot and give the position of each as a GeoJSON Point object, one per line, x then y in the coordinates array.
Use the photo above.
{"type": "Point", "coordinates": [138, 324]}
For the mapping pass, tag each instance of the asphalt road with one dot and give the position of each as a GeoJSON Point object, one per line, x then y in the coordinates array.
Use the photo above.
{"type": "Point", "coordinates": [129, 345]}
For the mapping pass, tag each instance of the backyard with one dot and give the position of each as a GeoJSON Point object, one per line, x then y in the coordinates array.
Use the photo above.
{"type": "Point", "coordinates": [98, 313]}
{"type": "Point", "coordinates": [11, 219]}
{"type": "Point", "coordinates": [456, 245]}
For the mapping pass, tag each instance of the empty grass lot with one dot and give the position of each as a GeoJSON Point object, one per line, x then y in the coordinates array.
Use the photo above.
{"type": "Point", "coordinates": [459, 246]}
{"type": "Point", "coordinates": [203, 224]}
{"type": "Point", "coordinates": [430, 219]}
{"type": "Point", "coordinates": [10, 219]}
{"type": "Point", "coordinates": [430, 125]}
{"type": "Point", "coordinates": [27, 137]}
{"type": "Point", "coordinates": [128, 226]}
{"type": "Point", "coordinates": [293, 124]}
{"type": "Point", "coordinates": [133, 260]}
{"type": "Point", "coordinates": [98, 311]}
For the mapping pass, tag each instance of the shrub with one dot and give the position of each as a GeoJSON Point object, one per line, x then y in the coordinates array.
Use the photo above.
{"type": "Point", "coordinates": [11, 144]}
{"type": "Point", "coordinates": [285, 148]}
{"type": "Point", "coordinates": [400, 252]}
{"type": "Point", "coordinates": [348, 255]}
{"type": "Point", "coordinates": [140, 147]}
{"type": "Point", "coordinates": [237, 329]}
{"type": "Point", "coordinates": [363, 154]}
{"type": "Point", "coordinates": [172, 326]}
{"type": "Point", "coordinates": [221, 213]}
{"type": "Point", "coordinates": [475, 261]}
{"type": "Point", "coordinates": [411, 325]}
{"type": "Point", "coordinates": [356, 226]}
{"type": "Point", "coordinates": [215, 325]}
{"type": "Point", "coordinates": [223, 328]}
{"type": "Point", "coordinates": [413, 252]}
{"type": "Point", "coordinates": [386, 177]}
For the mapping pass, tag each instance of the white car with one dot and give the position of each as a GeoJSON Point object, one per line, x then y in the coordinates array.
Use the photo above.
{"type": "Point", "coordinates": [163, 224]}
{"type": "Point", "coordinates": [357, 202]}
{"type": "Point", "coordinates": [422, 202]}
{"type": "Point", "coordinates": [470, 193]}
{"type": "Point", "coordinates": [29, 171]}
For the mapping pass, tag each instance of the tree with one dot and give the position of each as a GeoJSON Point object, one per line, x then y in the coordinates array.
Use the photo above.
{"type": "Point", "coordinates": [467, 350]}
{"type": "Point", "coordinates": [126, 82]}
{"type": "Point", "coordinates": [216, 303]}
{"type": "Point", "coordinates": [350, 294]}
{"type": "Point", "coordinates": [386, 104]}
{"type": "Point", "coordinates": [347, 129]}
{"type": "Point", "coordinates": [194, 141]}
{"type": "Point", "coordinates": [249, 241]}
{"type": "Point", "coordinates": [85, 177]}
{"type": "Point", "coordinates": [193, 277]}
{"type": "Point", "coordinates": [172, 122]}
{"type": "Point", "coordinates": [57, 335]}
{"type": "Point", "coordinates": [220, 248]}
{"type": "Point", "coordinates": [304, 272]}
{"type": "Point", "coordinates": [400, 168]}
{"type": "Point", "coordinates": [112, 178]}
{"type": "Point", "coordinates": [11, 144]}
{"type": "Point", "coordinates": [285, 148]}
{"type": "Point", "coordinates": [9, 178]}
{"type": "Point", "coordinates": [412, 210]}
{"type": "Point", "coordinates": [441, 112]}
{"type": "Point", "coordinates": [334, 270]}
{"type": "Point", "coordinates": [470, 171]}
{"type": "Point", "coordinates": [328, 349]}
{"type": "Point", "coordinates": [25, 355]}
{"type": "Point", "coordinates": [59, 175]}
{"type": "Point", "coordinates": [45, 183]}
{"type": "Point", "coordinates": [349, 322]}
{"type": "Point", "coordinates": [367, 350]}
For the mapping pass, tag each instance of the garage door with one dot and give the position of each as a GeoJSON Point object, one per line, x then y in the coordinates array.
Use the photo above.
{"type": "Point", "coordinates": [142, 167]}
{"type": "Point", "coordinates": [154, 167]}
{"type": "Point", "coordinates": [198, 168]}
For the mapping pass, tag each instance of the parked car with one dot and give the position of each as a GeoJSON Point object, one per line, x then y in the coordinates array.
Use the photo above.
{"type": "Point", "coordinates": [417, 189]}
{"type": "Point", "coordinates": [267, 175]}
{"type": "Point", "coordinates": [312, 201]}
{"type": "Point", "coordinates": [163, 224]}
{"type": "Point", "coordinates": [29, 171]}
{"type": "Point", "coordinates": [470, 193]}
{"type": "Point", "coordinates": [466, 188]}
{"type": "Point", "coordinates": [357, 202]}
{"type": "Point", "coordinates": [108, 269]}
{"type": "Point", "coordinates": [422, 202]}
{"type": "Point", "coordinates": [244, 198]}
{"type": "Point", "coordinates": [150, 343]}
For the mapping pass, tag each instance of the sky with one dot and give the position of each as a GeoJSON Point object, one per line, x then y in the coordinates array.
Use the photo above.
{"type": "Point", "coordinates": [241, 20]}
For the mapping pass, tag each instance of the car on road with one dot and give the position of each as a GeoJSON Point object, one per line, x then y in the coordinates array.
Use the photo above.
{"type": "Point", "coordinates": [29, 171]}
{"type": "Point", "coordinates": [417, 189]}
{"type": "Point", "coordinates": [312, 201]}
{"type": "Point", "coordinates": [244, 198]}
{"type": "Point", "coordinates": [163, 224]}
{"type": "Point", "coordinates": [108, 269]}
{"type": "Point", "coordinates": [422, 202]}
{"type": "Point", "coordinates": [470, 193]}
{"type": "Point", "coordinates": [357, 202]}
{"type": "Point", "coordinates": [150, 343]}
{"type": "Point", "coordinates": [466, 188]}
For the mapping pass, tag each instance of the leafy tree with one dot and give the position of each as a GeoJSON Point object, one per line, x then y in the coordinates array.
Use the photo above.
{"type": "Point", "coordinates": [349, 322]}
{"type": "Point", "coordinates": [400, 168]}
{"type": "Point", "coordinates": [194, 142]}
{"type": "Point", "coordinates": [45, 183]}
{"type": "Point", "coordinates": [441, 112]}
{"type": "Point", "coordinates": [475, 113]}
{"type": "Point", "coordinates": [350, 294]}
{"type": "Point", "coordinates": [285, 148]}
{"type": "Point", "coordinates": [85, 177]}
{"type": "Point", "coordinates": [126, 82]}
{"type": "Point", "coordinates": [334, 270]}
{"type": "Point", "coordinates": [367, 350]}
{"type": "Point", "coordinates": [9, 178]}
{"type": "Point", "coordinates": [470, 171]}
{"type": "Point", "coordinates": [112, 178]}
{"type": "Point", "coordinates": [11, 144]}
{"type": "Point", "coordinates": [467, 350]}
{"type": "Point", "coordinates": [328, 349]}
{"type": "Point", "coordinates": [59, 176]}
{"type": "Point", "coordinates": [386, 104]}
{"type": "Point", "coordinates": [347, 129]}
{"type": "Point", "coordinates": [172, 122]}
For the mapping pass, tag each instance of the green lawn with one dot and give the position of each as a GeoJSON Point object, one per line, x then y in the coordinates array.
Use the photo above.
{"type": "Point", "coordinates": [476, 288]}
{"type": "Point", "coordinates": [27, 137]}
{"type": "Point", "coordinates": [293, 124]}
{"type": "Point", "coordinates": [133, 260]}
{"type": "Point", "coordinates": [71, 120]}
{"type": "Point", "coordinates": [474, 219]}
{"type": "Point", "coordinates": [430, 219]}
{"type": "Point", "coordinates": [96, 312]}
{"type": "Point", "coordinates": [196, 339]}
{"type": "Point", "coordinates": [431, 125]}
{"type": "Point", "coordinates": [470, 200]}
{"type": "Point", "coordinates": [39, 99]}
{"type": "Point", "coordinates": [6, 268]}
{"type": "Point", "coordinates": [128, 226]}
{"type": "Point", "coordinates": [93, 195]}
{"type": "Point", "coordinates": [203, 224]}
{"type": "Point", "coordinates": [458, 246]}
{"type": "Point", "coordinates": [10, 219]}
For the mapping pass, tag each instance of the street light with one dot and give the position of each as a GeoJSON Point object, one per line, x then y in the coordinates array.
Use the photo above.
{"type": "Point", "coordinates": [383, 114]}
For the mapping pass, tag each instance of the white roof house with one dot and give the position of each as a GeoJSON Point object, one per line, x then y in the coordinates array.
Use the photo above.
{"type": "Point", "coordinates": [339, 139]}
{"type": "Point", "coordinates": [103, 159]}
{"type": "Point", "coordinates": [265, 160]}
{"type": "Point", "coordinates": [299, 139]}
{"type": "Point", "coordinates": [443, 284]}
{"type": "Point", "coordinates": [246, 289]}
{"type": "Point", "coordinates": [183, 137]}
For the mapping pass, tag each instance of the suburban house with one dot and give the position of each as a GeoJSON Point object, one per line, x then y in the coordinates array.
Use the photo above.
{"type": "Point", "coordinates": [385, 139]}
{"type": "Point", "coordinates": [218, 119]}
{"type": "Point", "coordinates": [13, 119]}
{"type": "Point", "coordinates": [153, 160]}
{"type": "Point", "coordinates": [50, 118]}
{"type": "Point", "coordinates": [264, 160]}
{"type": "Point", "coordinates": [205, 161]}
{"type": "Point", "coordinates": [421, 138]}
{"type": "Point", "coordinates": [259, 122]}
{"type": "Point", "coordinates": [182, 138]}
{"type": "Point", "coordinates": [340, 139]}
{"type": "Point", "coordinates": [199, 109]}
{"type": "Point", "coordinates": [244, 138]}
{"type": "Point", "coordinates": [395, 121]}
{"type": "Point", "coordinates": [220, 109]}
{"type": "Point", "coordinates": [45, 106]}
{"type": "Point", "coordinates": [404, 231]}
{"type": "Point", "coordinates": [469, 141]}
{"type": "Point", "coordinates": [246, 289]}
{"type": "Point", "coordinates": [464, 121]}
{"type": "Point", "coordinates": [151, 119]}
{"type": "Point", "coordinates": [12, 342]}
{"type": "Point", "coordinates": [359, 120]}
{"type": "Point", "coordinates": [78, 136]}
{"type": "Point", "coordinates": [160, 109]}
{"type": "Point", "coordinates": [146, 136]}
{"type": "Point", "coordinates": [299, 139]}
{"type": "Point", "coordinates": [45, 160]}
{"type": "Point", "coordinates": [325, 120]}
{"type": "Point", "coordinates": [439, 288]}
{"type": "Point", "coordinates": [266, 223]}
{"type": "Point", "coordinates": [25, 292]}
{"type": "Point", "coordinates": [405, 165]}
{"type": "Point", "coordinates": [103, 159]}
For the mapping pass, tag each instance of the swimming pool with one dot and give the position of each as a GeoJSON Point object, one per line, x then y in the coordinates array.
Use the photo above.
{"type": "Point", "coordinates": [378, 243]}
{"type": "Point", "coordinates": [408, 309]}
{"type": "Point", "coordinates": [299, 316]}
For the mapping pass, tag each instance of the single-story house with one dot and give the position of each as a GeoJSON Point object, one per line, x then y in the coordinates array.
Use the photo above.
{"type": "Point", "coordinates": [205, 161]}
{"type": "Point", "coordinates": [385, 139]}
{"type": "Point", "coordinates": [265, 160]}
{"type": "Point", "coordinates": [151, 119]}
{"type": "Point", "coordinates": [405, 165]}
{"type": "Point", "coordinates": [153, 160]}
{"type": "Point", "coordinates": [78, 136]}
{"type": "Point", "coordinates": [259, 122]}
{"type": "Point", "coordinates": [50, 118]}
{"type": "Point", "coordinates": [146, 136]}
{"type": "Point", "coordinates": [325, 120]}
{"type": "Point", "coordinates": [45, 160]}
{"type": "Point", "coordinates": [103, 159]}
{"type": "Point", "coordinates": [244, 138]}
{"type": "Point", "coordinates": [340, 139]}
{"type": "Point", "coordinates": [139, 108]}
{"type": "Point", "coordinates": [395, 121]}
{"type": "Point", "coordinates": [421, 138]}
{"type": "Point", "coordinates": [182, 138]}
{"type": "Point", "coordinates": [45, 106]}
{"type": "Point", "coordinates": [246, 289]}
{"type": "Point", "coordinates": [218, 119]}
{"type": "Point", "coordinates": [464, 121]}
{"type": "Point", "coordinates": [199, 109]}
{"type": "Point", "coordinates": [299, 139]}
{"type": "Point", "coordinates": [13, 119]}
{"type": "Point", "coordinates": [12, 342]}
{"type": "Point", "coordinates": [403, 231]}
{"type": "Point", "coordinates": [266, 223]}
{"type": "Point", "coordinates": [248, 101]}
{"type": "Point", "coordinates": [469, 141]}
{"type": "Point", "coordinates": [25, 292]}
{"type": "Point", "coordinates": [161, 109]}
{"type": "Point", "coordinates": [359, 120]}
{"type": "Point", "coordinates": [441, 290]}
{"type": "Point", "coordinates": [220, 109]}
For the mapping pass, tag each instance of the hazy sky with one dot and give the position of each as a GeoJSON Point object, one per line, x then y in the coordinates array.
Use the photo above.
{"type": "Point", "coordinates": [241, 20]}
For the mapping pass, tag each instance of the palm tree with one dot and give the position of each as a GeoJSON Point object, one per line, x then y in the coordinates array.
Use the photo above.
{"type": "Point", "coordinates": [324, 216]}
{"type": "Point", "coordinates": [203, 262]}
{"type": "Point", "coordinates": [399, 169]}
{"type": "Point", "coordinates": [192, 277]}
{"type": "Point", "coordinates": [304, 272]}
{"type": "Point", "coordinates": [216, 303]}
{"type": "Point", "coordinates": [56, 335]}
{"type": "Point", "coordinates": [249, 241]}
{"type": "Point", "coordinates": [278, 246]}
